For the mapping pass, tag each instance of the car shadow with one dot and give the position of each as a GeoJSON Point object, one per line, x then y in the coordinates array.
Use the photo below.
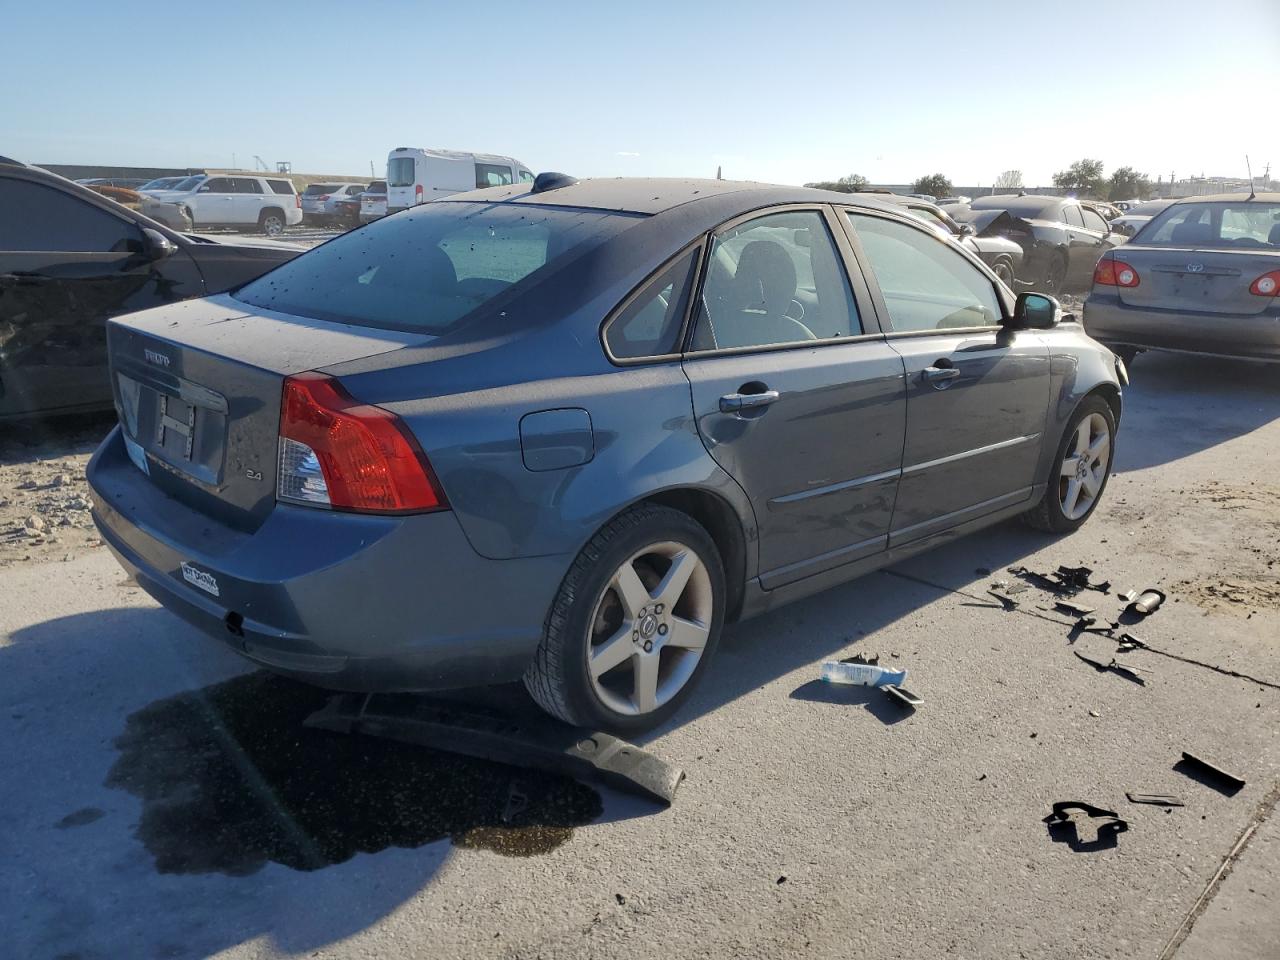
{"type": "Point", "coordinates": [217, 816]}
{"type": "Point", "coordinates": [1179, 404]}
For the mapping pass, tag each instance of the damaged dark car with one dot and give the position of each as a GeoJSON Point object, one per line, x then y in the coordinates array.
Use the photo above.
{"type": "Point", "coordinates": [1061, 238]}
{"type": "Point", "coordinates": [70, 259]}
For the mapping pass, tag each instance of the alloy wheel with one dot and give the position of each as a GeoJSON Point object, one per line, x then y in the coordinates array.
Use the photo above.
{"type": "Point", "coordinates": [272, 226]}
{"type": "Point", "coordinates": [1085, 467]}
{"type": "Point", "coordinates": [650, 626]}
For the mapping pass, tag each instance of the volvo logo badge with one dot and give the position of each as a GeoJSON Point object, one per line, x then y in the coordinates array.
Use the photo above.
{"type": "Point", "coordinates": [159, 359]}
{"type": "Point", "coordinates": [1195, 268]}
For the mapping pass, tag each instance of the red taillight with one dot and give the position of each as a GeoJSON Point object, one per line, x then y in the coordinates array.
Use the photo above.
{"type": "Point", "coordinates": [1266, 285]}
{"type": "Point", "coordinates": [1115, 273]}
{"type": "Point", "coordinates": [297, 200]}
{"type": "Point", "coordinates": [417, 193]}
{"type": "Point", "coordinates": [323, 197]}
{"type": "Point", "coordinates": [368, 459]}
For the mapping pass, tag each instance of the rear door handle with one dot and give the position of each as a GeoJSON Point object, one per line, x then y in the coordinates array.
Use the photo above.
{"type": "Point", "coordinates": [938, 375]}
{"type": "Point", "coordinates": [736, 402]}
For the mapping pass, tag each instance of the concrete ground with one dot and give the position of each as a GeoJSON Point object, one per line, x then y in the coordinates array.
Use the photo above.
{"type": "Point", "coordinates": [162, 800]}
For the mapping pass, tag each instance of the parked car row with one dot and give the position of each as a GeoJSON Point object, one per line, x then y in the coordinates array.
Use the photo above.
{"type": "Point", "coordinates": [266, 202]}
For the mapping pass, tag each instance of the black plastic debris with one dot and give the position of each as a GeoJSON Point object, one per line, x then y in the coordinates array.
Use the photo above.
{"type": "Point", "coordinates": [869, 660]}
{"type": "Point", "coordinates": [1075, 609]}
{"type": "Point", "coordinates": [1156, 799]}
{"type": "Point", "coordinates": [1065, 828]}
{"type": "Point", "coordinates": [1122, 669]}
{"type": "Point", "coordinates": [903, 695]}
{"type": "Point", "coordinates": [1065, 581]}
{"type": "Point", "coordinates": [1006, 602]}
{"type": "Point", "coordinates": [1209, 774]}
{"type": "Point", "coordinates": [534, 742]}
{"type": "Point", "coordinates": [1147, 602]}
{"type": "Point", "coordinates": [1129, 642]}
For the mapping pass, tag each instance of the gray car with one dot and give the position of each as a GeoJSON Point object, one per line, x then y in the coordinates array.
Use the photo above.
{"type": "Point", "coordinates": [564, 431]}
{"type": "Point", "coordinates": [1200, 276]}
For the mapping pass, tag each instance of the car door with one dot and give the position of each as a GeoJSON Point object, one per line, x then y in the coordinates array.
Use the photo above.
{"type": "Point", "coordinates": [214, 202]}
{"type": "Point", "coordinates": [65, 267]}
{"type": "Point", "coordinates": [977, 392]}
{"type": "Point", "coordinates": [1100, 241]}
{"type": "Point", "coordinates": [247, 200]}
{"type": "Point", "coordinates": [796, 394]}
{"type": "Point", "coordinates": [1083, 246]}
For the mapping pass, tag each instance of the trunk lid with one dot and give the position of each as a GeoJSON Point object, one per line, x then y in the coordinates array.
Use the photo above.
{"type": "Point", "coordinates": [1195, 278]}
{"type": "Point", "coordinates": [197, 388]}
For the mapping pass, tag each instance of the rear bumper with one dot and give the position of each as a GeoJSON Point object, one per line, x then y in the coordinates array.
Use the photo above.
{"type": "Point", "coordinates": [344, 601]}
{"type": "Point", "coordinates": [1255, 337]}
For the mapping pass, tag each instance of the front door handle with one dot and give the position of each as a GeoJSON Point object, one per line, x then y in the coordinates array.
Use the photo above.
{"type": "Point", "coordinates": [737, 402]}
{"type": "Point", "coordinates": [938, 375]}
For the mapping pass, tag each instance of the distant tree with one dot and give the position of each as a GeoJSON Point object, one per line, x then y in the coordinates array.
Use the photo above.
{"type": "Point", "coordinates": [1127, 183]}
{"type": "Point", "coordinates": [1009, 180]}
{"type": "Point", "coordinates": [849, 184]}
{"type": "Point", "coordinates": [935, 185]}
{"type": "Point", "coordinates": [1083, 176]}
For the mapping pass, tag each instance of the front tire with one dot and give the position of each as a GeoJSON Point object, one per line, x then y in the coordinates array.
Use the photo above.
{"type": "Point", "coordinates": [634, 624]}
{"type": "Point", "coordinates": [271, 223]}
{"type": "Point", "coordinates": [1080, 470]}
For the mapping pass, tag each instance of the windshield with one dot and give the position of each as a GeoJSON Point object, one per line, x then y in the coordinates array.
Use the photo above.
{"type": "Point", "coordinates": [427, 270]}
{"type": "Point", "coordinates": [400, 172]}
{"type": "Point", "coordinates": [190, 183]}
{"type": "Point", "coordinates": [1228, 225]}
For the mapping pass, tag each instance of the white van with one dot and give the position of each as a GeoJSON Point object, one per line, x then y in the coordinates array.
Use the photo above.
{"type": "Point", "coordinates": [415, 175]}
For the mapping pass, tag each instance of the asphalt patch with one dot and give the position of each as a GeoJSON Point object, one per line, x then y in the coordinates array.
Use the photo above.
{"type": "Point", "coordinates": [230, 780]}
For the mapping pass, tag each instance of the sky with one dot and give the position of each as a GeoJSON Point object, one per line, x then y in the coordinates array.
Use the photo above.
{"type": "Point", "coordinates": [783, 92]}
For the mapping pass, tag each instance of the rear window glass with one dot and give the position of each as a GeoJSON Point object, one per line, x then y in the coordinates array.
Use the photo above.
{"type": "Point", "coordinates": [1227, 224]}
{"type": "Point", "coordinates": [378, 186]}
{"type": "Point", "coordinates": [427, 270]}
{"type": "Point", "coordinates": [400, 172]}
{"type": "Point", "coordinates": [281, 186]}
{"type": "Point", "coordinates": [492, 175]}
{"type": "Point", "coordinates": [318, 190]}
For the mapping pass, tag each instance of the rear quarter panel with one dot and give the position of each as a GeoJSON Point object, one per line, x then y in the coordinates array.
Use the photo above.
{"type": "Point", "coordinates": [1078, 366]}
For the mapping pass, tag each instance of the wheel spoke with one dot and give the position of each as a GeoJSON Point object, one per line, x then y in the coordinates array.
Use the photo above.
{"type": "Point", "coordinates": [673, 584]}
{"type": "Point", "coordinates": [1091, 483]}
{"type": "Point", "coordinates": [1072, 498]}
{"type": "Point", "coordinates": [1069, 466]}
{"type": "Point", "coordinates": [687, 634]}
{"type": "Point", "coordinates": [611, 653]}
{"type": "Point", "coordinates": [645, 691]}
{"type": "Point", "coordinates": [1082, 437]}
{"type": "Point", "coordinates": [630, 590]}
{"type": "Point", "coordinates": [1099, 446]}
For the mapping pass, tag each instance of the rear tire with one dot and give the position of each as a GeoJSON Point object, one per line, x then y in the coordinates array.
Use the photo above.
{"type": "Point", "coordinates": [271, 222]}
{"type": "Point", "coordinates": [634, 624]}
{"type": "Point", "coordinates": [1004, 270]}
{"type": "Point", "coordinates": [1080, 469]}
{"type": "Point", "coordinates": [1055, 274]}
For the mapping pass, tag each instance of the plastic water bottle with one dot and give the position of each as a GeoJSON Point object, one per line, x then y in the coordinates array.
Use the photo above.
{"type": "Point", "coordinates": [864, 674]}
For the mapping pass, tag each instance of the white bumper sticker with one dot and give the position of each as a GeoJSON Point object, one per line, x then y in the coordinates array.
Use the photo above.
{"type": "Point", "coordinates": [198, 578]}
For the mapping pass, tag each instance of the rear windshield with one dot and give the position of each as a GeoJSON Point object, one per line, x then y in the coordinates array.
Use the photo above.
{"type": "Point", "coordinates": [1229, 225]}
{"type": "Point", "coordinates": [378, 186]}
{"type": "Point", "coordinates": [428, 269]}
{"type": "Point", "coordinates": [318, 189]}
{"type": "Point", "coordinates": [281, 186]}
{"type": "Point", "coordinates": [400, 172]}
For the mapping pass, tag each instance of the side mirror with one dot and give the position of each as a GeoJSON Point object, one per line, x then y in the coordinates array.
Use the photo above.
{"type": "Point", "coordinates": [967, 230]}
{"type": "Point", "coordinates": [1035, 311]}
{"type": "Point", "coordinates": [203, 188]}
{"type": "Point", "coordinates": [158, 245]}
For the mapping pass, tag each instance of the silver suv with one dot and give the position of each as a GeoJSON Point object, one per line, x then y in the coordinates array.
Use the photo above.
{"type": "Point", "coordinates": [267, 203]}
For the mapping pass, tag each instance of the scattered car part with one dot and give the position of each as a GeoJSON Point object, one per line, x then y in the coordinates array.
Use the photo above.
{"type": "Point", "coordinates": [1148, 602]}
{"type": "Point", "coordinates": [535, 742]}
{"type": "Point", "coordinates": [1006, 602]}
{"type": "Point", "coordinates": [1063, 828]}
{"type": "Point", "coordinates": [1124, 670]}
{"type": "Point", "coordinates": [863, 674]}
{"type": "Point", "coordinates": [903, 695]}
{"type": "Point", "coordinates": [1129, 642]}
{"type": "Point", "coordinates": [1075, 609]}
{"type": "Point", "coordinates": [1228, 781]}
{"type": "Point", "coordinates": [1156, 799]}
{"type": "Point", "coordinates": [1129, 596]}
{"type": "Point", "coordinates": [870, 660]}
{"type": "Point", "coordinates": [517, 802]}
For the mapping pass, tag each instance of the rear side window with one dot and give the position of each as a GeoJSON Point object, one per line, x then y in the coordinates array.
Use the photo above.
{"type": "Point", "coordinates": [1071, 214]}
{"type": "Point", "coordinates": [649, 325]}
{"type": "Point", "coordinates": [39, 218]}
{"type": "Point", "coordinates": [400, 172]}
{"type": "Point", "coordinates": [245, 185]}
{"type": "Point", "coordinates": [428, 270]}
{"type": "Point", "coordinates": [926, 284]}
{"type": "Point", "coordinates": [492, 175]}
{"type": "Point", "coordinates": [281, 186]}
{"type": "Point", "coordinates": [772, 280]}
{"type": "Point", "coordinates": [1093, 221]}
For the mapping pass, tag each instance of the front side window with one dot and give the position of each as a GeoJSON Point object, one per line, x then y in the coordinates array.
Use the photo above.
{"type": "Point", "coordinates": [217, 185]}
{"type": "Point", "coordinates": [492, 175]}
{"type": "Point", "coordinates": [649, 326]}
{"type": "Point", "coordinates": [773, 280]}
{"type": "Point", "coordinates": [39, 218]}
{"type": "Point", "coordinates": [401, 172]}
{"type": "Point", "coordinates": [428, 270]}
{"type": "Point", "coordinates": [1093, 221]}
{"type": "Point", "coordinates": [190, 183]}
{"type": "Point", "coordinates": [526, 176]}
{"type": "Point", "coordinates": [925, 283]}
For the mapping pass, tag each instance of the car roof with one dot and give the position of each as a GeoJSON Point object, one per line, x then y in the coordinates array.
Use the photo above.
{"type": "Point", "coordinates": [1234, 197]}
{"type": "Point", "coordinates": [653, 195]}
